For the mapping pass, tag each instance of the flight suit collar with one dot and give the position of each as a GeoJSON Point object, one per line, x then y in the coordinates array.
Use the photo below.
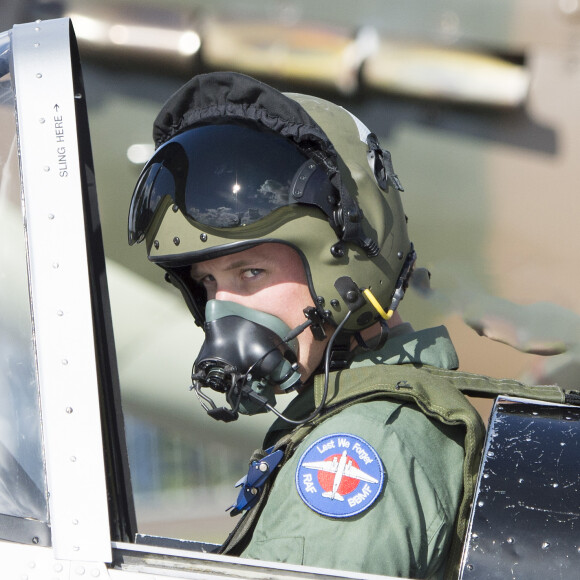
{"type": "Point", "coordinates": [431, 346]}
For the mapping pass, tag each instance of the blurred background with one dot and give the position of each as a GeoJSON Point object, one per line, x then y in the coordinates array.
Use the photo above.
{"type": "Point", "coordinates": [478, 103]}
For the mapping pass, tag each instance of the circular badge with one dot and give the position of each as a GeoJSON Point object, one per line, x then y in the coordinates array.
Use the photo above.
{"type": "Point", "coordinates": [339, 475]}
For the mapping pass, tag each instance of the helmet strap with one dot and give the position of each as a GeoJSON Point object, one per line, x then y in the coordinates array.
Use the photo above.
{"type": "Point", "coordinates": [340, 352]}
{"type": "Point", "coordinates": [378, 341]}
{"type": "Point", "coordinates": [383, 165]}
{"type": "Point", "coordinates": [317, 320]}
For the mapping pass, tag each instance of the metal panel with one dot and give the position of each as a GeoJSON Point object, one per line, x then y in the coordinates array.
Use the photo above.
{"type": "Point", "coordinates": [23, 497]}
{"type": "Point", "coordinates": [526, 517]}
{"type": "Point", "coordinates": [182, 563]}
{"type": "Point", "coordinates": [61, 305]}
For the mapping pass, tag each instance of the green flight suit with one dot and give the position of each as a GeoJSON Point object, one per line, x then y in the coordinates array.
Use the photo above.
{"type": "Point", "coordinates": [408, 529]}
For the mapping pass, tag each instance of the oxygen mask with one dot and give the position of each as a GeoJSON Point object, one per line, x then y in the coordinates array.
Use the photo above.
{"type": "Point", "coordinates": [246, 355]}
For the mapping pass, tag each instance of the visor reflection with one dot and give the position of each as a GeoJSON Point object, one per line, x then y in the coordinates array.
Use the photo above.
{"type": "Point", "coordinates": [221, 176]}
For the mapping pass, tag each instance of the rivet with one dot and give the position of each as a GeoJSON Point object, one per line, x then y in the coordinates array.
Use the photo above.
{"type": "Point", "coordinates": [95, 573]}
{"type": "Point", "coordinates": [263, 467]}
{"type": "Point", "coordinates": [510, 540]}
{"type": "Point", "coordinates": [175, 208]}
{"type": "Point", "coordinates": [35, 540]}
{"type": "Point", "coordinates": [470, 567]}
{"type": "Point", "coordinates": [334, 303]}
{"type": "Point", "coordinates": [38, 75]}
{"type": "Point", "coordinates": [46, 168]}
{"type": "Point", "coordinates": [59, 313]}
{"type": "Point", "coordinates": [78, 96]}
{"type": "Point", "coordinates": [254, 491]}
{"type": "Point", "coordinates": [75, 522]}
{"type": "Point", "coordinates": [156, 244]}
{"type": "Point", "coordinates": [69, 410]}
{"type": "Point", "coordinates": [545, 545]}
{"type": "Point", "coordinates": [50, 216]}
{"type": "Point", "coordinates": [480, 504]}
{"type": "Point", "coordinates": [320, 300]}
{"type": "Point", "coordinates": [64, 362]}
{"type": "Point", "coordinates": [36, 44]}
{"type": "Point", "coordinates": [337, 251]}
{"type": "Point", "coordinates": [41, 120]}
{"type": "Point", "coordinates": [57, 567]}
{"type": "Point", "coordinates": [80, 570]}
{"type": "Point", "coordinates": [176, 241]}
{"type": "Point", "coordinates": [32, 565]}
{"type": "Point", "coordinates": [72, 459]}
{"type": "Point", "coordinates": [76, 548]}
{"type": "Point", "coordinates": [203, 237]}
{"type": "Point", "coordinates": [400, 255]}
{"type": "Point", "coordinates": [351, 296]}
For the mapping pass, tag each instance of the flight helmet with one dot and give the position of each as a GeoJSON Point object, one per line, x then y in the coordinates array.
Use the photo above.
{"type": "Point", "coordinates": [238, 163]}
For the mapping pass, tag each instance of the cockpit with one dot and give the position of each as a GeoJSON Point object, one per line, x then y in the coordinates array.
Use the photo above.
{"type": "Point", "coordinates": [66, 492]}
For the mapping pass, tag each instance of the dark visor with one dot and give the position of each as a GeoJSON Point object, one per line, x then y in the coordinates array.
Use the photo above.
{"type": "Point", "coordinates": [227, 176]}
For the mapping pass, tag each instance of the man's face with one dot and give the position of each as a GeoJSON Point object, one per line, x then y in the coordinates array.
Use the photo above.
{"type": "Point", "coordinates": [269, 278]}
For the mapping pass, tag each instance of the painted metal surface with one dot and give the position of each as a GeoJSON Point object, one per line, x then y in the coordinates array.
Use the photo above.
{"type": "Point", "coordinates": [169, 562]}
{"type": "Point", "coordinates": [526, 517]}
{"type": "Point", "coordinates": [136, 562]}
{"type": "Point", "coordinates": [60, 297]}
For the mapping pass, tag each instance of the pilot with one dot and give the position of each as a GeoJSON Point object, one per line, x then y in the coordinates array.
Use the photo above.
{"type": "Point", "coordinates": [278, 216]}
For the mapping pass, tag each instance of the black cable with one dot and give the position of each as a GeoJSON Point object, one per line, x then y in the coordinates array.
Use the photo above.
{"type": "Point", "coordinates": [327, 356]}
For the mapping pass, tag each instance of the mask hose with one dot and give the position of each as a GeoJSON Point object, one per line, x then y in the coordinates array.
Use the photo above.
{"type": "Point", "coordinates": [327, 356]}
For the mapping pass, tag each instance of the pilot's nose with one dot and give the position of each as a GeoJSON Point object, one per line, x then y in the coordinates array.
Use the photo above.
{"type": "Point", "coordinates": [223, 292]}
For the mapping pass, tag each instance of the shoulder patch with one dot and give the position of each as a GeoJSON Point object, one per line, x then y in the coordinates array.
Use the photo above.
{"type": "Point", "coordinates": [339, 475]}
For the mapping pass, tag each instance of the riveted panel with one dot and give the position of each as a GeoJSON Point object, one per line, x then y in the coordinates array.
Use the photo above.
{"type": "Point", "coordinates": [60, 293]}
